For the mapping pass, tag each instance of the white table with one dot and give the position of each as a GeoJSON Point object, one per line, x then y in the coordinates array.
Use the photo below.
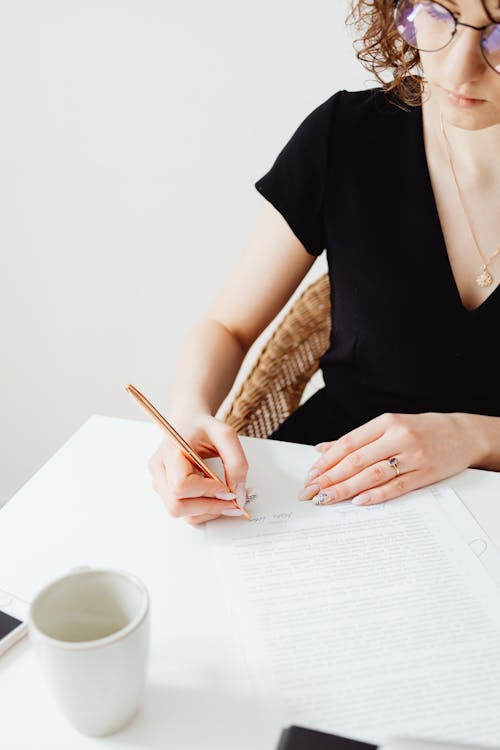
{"type": "Point", "coordinates": [92, 504]}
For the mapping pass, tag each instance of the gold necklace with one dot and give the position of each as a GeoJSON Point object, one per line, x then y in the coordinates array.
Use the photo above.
{"type": "Point", "coordinates": [484, 278]}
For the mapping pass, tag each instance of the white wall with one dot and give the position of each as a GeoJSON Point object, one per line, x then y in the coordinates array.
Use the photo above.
{"type": "Point", "coordinates": [132, 132]}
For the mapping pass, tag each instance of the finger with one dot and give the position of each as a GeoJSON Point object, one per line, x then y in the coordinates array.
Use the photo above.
{"type": "Point", "coordinates": [377, 474]}
{"type": "Point", "coordinates": [178, 506]}
{"type": "Point", "coordinates": [185, 480]}
{"type": "Point", "coordinates": [322, 447]}
{"type": "Point", "coordinates": [398, 486]}
{"type": "Point", "coordinates": [346, 445]}
{"type": "Point", "coordinates": [200, 520]}
{"type": "Point", "coordinates": [231, 452]}
{"type": "Point", "coordinates": [204, 517]}
{"type": "Point", "coordinates": [369, 463]}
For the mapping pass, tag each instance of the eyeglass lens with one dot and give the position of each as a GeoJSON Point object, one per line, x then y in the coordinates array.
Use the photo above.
{"type": "Point", "coordinates": [429, 26]}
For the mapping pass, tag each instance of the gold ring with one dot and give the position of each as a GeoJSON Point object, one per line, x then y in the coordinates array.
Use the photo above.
{"type": "Point", "coordinates": [395, 464]}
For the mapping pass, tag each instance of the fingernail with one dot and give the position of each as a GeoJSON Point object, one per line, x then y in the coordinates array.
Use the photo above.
{"type": "Point", "coordinates": [361, 499]}
{"type": "Point", "coordinates": [225, 496]}
{"type": "Point", "coordinates": [309, 492]}
{"type": "Point", "coordinates": [312, 474]}
{"type": "Point", "coordinates": [241, 494]}
{"type": "Point", "coordinates": [232, 512]}
{"type": "Point", "coordinates": [319, 446]}
{"type": "Point", "coordinates": [251, 496]}
{"type": "Point", "coordinates": [322, 498]}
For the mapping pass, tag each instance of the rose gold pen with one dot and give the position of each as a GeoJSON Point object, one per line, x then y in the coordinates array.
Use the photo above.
{"type": "Point", "coordinates": [186, 449]}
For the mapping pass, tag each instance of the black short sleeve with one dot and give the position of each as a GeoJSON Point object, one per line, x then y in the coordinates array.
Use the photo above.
{"type": "Point", "coordinates": [296, 182]}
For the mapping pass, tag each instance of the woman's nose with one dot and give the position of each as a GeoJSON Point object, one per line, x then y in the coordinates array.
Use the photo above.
{"type": "Point", "coordinates": [464, 61]}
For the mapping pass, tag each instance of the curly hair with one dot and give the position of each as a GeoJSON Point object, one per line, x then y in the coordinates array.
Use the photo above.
{"type": "Point", "coordinates": [382, 49]}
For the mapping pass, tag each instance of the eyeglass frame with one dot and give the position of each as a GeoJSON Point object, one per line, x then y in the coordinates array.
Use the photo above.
{"type": "Point", "coordinates": [457, 23]}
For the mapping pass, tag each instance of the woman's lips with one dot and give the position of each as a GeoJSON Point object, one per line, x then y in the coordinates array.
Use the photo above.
{"type": "Point", "coordinates": [462, 101]}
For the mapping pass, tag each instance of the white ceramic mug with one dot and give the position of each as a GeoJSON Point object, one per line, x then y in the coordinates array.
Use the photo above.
{"type": "Point", "coordinates": [90, 629]}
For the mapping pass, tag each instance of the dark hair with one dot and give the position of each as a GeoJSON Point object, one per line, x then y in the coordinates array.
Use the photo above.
{"type": "Point", "coordinates": [380, 49]}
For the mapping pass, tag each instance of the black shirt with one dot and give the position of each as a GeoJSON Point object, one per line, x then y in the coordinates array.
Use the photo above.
{"type": "Point", "coordinates": [353, 179]}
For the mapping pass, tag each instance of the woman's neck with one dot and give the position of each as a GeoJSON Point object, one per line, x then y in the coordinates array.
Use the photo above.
{"type": "Point", "coordinates": [475, 153]}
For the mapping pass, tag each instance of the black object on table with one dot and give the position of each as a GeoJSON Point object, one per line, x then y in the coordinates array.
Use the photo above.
{"type": "Point", "coordinates": [301, 738]}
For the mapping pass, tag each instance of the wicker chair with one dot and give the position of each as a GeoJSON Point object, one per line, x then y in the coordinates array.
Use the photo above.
{"type": "Point", "coordinates": [273, 388]}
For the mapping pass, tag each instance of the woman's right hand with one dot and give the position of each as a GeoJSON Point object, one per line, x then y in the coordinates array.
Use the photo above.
{"type": "Point", "coordinates": [185, 491]}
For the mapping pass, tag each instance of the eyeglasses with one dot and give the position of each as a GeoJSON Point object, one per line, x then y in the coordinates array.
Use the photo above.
{"type": "Point", "coordinates": [429, 26]}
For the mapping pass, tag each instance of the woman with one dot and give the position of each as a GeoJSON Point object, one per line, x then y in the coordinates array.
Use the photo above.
{"type": "Point", "coordinates": [401, 184]}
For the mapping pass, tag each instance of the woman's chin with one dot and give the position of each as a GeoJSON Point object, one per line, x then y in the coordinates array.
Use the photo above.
{"type": "Point", "coordinates": [468, 117]}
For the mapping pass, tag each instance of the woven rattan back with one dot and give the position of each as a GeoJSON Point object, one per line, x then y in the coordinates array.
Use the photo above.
{"type": "Point", "coordinates": [273, 388]}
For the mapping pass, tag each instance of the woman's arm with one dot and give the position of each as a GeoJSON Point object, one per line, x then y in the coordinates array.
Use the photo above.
{"type": "Point", "coordinates": [269, 270]}
{"type": "Point", "coordinates": [488, 431]}
{"type": "Point", "coordinates": [271, 267]}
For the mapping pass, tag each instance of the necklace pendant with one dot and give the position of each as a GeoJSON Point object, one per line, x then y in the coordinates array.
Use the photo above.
{"type": "Point", "coordinates": [484, 279]}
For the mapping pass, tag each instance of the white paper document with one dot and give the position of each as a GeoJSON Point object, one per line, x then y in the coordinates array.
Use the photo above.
{"type": "Point", "coordinates": [370, 622]}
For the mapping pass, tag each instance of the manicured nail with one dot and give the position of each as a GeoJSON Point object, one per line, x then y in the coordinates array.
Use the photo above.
{"type": "Point", "coordinates": [309, 492]}
{"type": "Point", "coordinates": [232, 512]}
{"type": "Point", "coordinates": [361, 499]}
{"type": "Point", "coordinates": [225, 496]}
{"type": "Point", "coordinates": [241, 494]}
{"type": "Point", "coordinates": [312, 474]}
{"type": "Point", "coordinates": [321, 499]}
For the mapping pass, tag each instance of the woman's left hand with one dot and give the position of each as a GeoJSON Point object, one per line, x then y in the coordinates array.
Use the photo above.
{"type": "Point", "coordinates": [428, 447]}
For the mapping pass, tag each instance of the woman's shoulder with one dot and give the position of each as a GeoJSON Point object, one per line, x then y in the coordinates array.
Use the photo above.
{"type": "Point", "coordinates": [355, 113]}
{"type": "Point", "coordinates": [362, 116]}
{"type": "Point", "coordinates": [370, 102]}
{"type": "Point", "coordinates": [347, 119]}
